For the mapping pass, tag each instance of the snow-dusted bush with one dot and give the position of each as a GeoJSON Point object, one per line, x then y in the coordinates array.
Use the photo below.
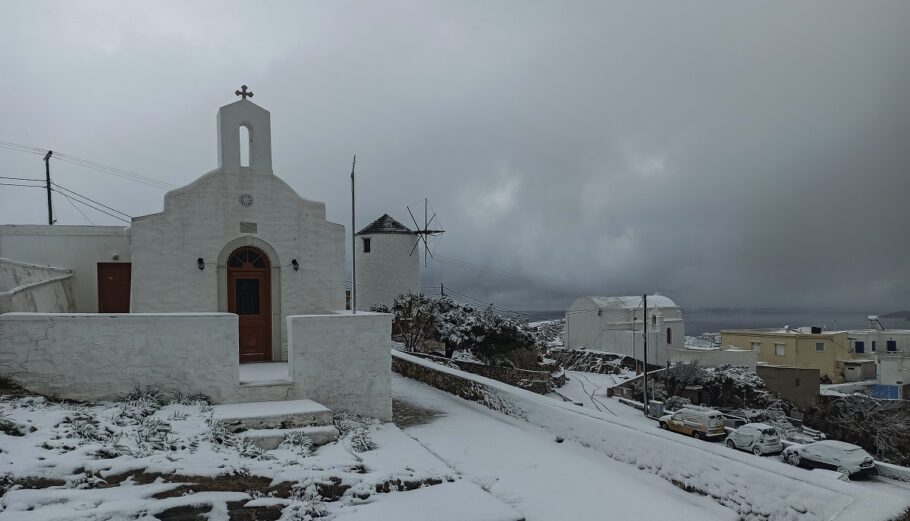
{"type": "Point", "coordinates": [880, 426]}
{"type": "Point", "coordinates": [299, 442]}
{"type": "Point", "coordinates": [488, 335]}
{"type": "Point", "coordinates": [733, 386]}
{"type": "Point", "coordinates": [414, 318]}
{"type": "Point", "coordinates": [354, 431]}
{"type": "Point", "coordinates": [657, 390]}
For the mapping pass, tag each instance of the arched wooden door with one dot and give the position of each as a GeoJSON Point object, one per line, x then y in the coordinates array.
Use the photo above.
{"type": "Point", "coordinates": [248, 296]}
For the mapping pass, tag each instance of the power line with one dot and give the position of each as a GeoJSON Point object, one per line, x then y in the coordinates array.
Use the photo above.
{"type": "Point", "coordinates": [92, 200]}
{"type": "Point", "coordinates": [70, 201]}
{"type": "Point", "coordinates": [23, 179]}
{"type": "Point", "coordinates": [25, 186]}
{"type": "Point", "coordinates": [92, 207]}
{"type": "Point", "coordinates": [94, 165]}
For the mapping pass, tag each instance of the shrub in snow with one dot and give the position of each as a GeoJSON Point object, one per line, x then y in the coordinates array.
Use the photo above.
{"type": "Point", "coordinates": [9, 427]}
{"type": "Point", "coordinates": [675, 403]}
{"type": "Point", "coordinates": [880, 426]}
{"type": "Point", "coordinates": [657, 390]}
{"type": "Point", "coordinates": [486, 334]}
{"type": "Point", "coordinates": [414, 318]}
{"type": "Point", "coordinates": [299, 442]}
{"type": "Point", "coordinates": [198, 399]}
{"type": "Point", "coordinates": [355, 431]}
{"type": "Point", "coordinates": [220, 436]}
{"type": "Point", "coordinates": [380, 308]}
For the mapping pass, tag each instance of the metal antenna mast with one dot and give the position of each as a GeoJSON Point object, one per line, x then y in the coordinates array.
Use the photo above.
{"type": "Point", "coordinates": [424, 232]}
{"type": "Point", "coordinates": [353, 245]}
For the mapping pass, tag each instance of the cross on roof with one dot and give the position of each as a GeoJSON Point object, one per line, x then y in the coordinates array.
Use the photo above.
{"type": "Point", "coordinates": [243, 93]}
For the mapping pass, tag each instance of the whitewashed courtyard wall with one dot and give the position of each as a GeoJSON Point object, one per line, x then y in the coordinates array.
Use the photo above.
{"type": "Point", "coordinates": [76, 248]}
{"type": "Point", "coordinates": [344, 361]}
{"type": "Point", "coordinates": [714, 357]}
{"type": "Point", "coordinates": [98, 357]}
{"type": "Point", "coordinates": [33, 288]}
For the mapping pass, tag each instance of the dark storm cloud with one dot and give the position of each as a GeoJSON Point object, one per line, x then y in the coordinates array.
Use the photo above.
{"type": "Point", "coordinates": [726, 154]}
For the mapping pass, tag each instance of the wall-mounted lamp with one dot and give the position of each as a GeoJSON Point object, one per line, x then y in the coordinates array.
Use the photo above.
{"type": "Point", "coordinates": [295, 264]}
{"type": "Point", "coordinates": [200, 263]}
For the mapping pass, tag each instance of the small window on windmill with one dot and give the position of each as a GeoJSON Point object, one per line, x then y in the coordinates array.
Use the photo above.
{"type": "Point", "coordinates": [366, 245]}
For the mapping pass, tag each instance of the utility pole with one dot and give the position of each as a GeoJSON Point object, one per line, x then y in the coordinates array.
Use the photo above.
{"type": "Point", "coordinates": [645, 302]}
{"type": "Point", "coordinates": [47, 172]}
{"type": "Point", "coordinates": [353, 246]}
{"type": "Point", "coordinates": [442, 290]}
{"type": "Point", "coordinates": [634, 332]}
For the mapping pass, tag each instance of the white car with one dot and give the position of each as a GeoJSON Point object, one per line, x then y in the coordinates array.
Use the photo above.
{"type": "Point", "coordinates": [846, 458]}
{"type": "Point", "coordinates": [758, 438]}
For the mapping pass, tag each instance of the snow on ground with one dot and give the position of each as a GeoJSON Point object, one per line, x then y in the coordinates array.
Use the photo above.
{"type": "Point", "coordinates": [590, 389]}
{"type": "Point", "coordinates": [126, 460]}
{"type": "Point", "coordinates": [526, 467]}
{"type": "Point", "coordinates": [750, 485]}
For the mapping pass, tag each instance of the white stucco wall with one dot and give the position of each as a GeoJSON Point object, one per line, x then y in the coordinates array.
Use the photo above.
{"type": "Point", "coordinates": [344, 361]}
{"type": "Point", "coordinates": [203, 220]}
{"type": "Point", "coordinates": [388, 270]}
{"type": "Point", "coordinates": [77, 248]}
{"type": "Point", "coordinates": [714, 357]}
{"type": "Point", "coordinates": [97, 357]}
{"type": "Point", "coordinates": [33, 288]}
{"type": "Point", "coordinates": [894, 369]}
{"type": "Point", "coordinates": [610, 329]}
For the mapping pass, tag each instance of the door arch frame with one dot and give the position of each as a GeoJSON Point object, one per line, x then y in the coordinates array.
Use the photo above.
{"type": "Point", "coordinates": [274, 283]}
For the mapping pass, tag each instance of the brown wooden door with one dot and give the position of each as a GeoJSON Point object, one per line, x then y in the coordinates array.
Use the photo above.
{"type": "Point", "coordinates": [248, 296]}
{"type": "Point", "coordinates": [114, 279]}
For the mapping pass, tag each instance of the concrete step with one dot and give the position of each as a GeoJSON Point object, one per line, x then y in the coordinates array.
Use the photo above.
{"type": "Point", "coordinates": [273, 415]}
{"type": "Point", "coordinates": [280, 390]}
{"type": "Point", "coordinates": [269, 439]}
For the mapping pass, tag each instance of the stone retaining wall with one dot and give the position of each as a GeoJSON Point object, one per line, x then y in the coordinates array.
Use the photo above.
{"type": "Point", "coordinates": [593, 361]}
{"type": "Point", "coordinates": [540, 382]}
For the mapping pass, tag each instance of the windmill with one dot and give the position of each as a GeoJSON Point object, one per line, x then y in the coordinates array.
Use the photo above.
{"type": "Point", "coordinates": [423, 233]}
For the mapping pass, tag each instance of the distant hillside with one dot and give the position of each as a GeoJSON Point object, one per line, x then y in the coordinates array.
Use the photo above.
{"type": "Point", "coordinates": [898, 314]}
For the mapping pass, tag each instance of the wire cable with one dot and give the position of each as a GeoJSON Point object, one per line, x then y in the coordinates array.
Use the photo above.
{"type": "Point", "coordinates": [91, 200]}
{"type": "Point", "coordinates": [93, 207]}
{"type": "Point", "coordinates": [78, 209]}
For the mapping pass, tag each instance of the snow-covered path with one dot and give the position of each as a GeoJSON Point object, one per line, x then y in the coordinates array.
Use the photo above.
{"type": "Point", "coordinates": [544, 480]}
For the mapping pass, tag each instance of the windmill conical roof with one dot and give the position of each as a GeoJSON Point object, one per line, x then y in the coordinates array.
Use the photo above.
{"type": "Point", "coordinates": [385, 224]}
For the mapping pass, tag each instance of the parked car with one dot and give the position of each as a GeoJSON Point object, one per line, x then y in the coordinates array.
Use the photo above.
{"type": "Point", "coordinates": [696, 422]}
{"type": "Point", "coordinates": [846, 458]}
{"type": "Point", "coordinates": [758, 438]}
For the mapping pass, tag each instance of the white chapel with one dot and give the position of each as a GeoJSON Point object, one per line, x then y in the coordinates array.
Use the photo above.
{"type": "Point", "coordinates": [237, 251]}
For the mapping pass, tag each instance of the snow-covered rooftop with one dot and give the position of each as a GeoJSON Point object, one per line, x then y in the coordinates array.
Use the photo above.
{"type": "Point", "coordinates": [385, 224]}
{"type": "Point", "coordinates": [654, 301]}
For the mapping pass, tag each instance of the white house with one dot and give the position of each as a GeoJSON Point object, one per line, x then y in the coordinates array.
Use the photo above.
{"type": "Point", "coordinates": [223, 275]}
{"type": "Point", "coordinates": [616, 325]}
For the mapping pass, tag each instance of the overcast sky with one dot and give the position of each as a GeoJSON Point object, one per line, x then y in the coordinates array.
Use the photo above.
{"type": "Point", "coordinates": [724, 153]}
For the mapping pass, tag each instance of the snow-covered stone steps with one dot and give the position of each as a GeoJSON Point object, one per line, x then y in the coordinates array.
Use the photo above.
{"type": "Point", "coordinates": [269, 439]}
{"type": "Point", "coordinates": [279, 390]}
{"type": "Point", "coordinates": [273, 415]}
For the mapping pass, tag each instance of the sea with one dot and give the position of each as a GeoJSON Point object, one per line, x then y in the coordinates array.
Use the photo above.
{"type": "Point", "coordinates": [700, 321]}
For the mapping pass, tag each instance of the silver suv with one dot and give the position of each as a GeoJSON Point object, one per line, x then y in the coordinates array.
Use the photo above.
{"type": "Point", "coordinates": [758, 438]}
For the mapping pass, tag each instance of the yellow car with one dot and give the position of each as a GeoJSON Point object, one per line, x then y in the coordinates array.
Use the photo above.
{"type": "Point", "coordinates": [700, 423]}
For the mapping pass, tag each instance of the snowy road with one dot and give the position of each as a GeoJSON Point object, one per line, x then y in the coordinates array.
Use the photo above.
{"type": "Point", "coordinates": [611, 442]}
{"type": "Point", "coordinates": [591, 390]}
{"type": "Point", "coordinates": [524, 466]}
